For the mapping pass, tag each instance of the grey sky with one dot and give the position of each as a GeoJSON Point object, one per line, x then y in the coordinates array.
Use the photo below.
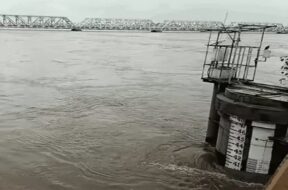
{"type": "Point", "coordinates": [158, 10]}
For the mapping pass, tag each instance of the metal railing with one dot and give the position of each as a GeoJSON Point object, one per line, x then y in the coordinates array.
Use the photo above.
{"type": "Point", "coordinates": [229, 60]}
{"type": "Point", "coordinates": [229, 63]}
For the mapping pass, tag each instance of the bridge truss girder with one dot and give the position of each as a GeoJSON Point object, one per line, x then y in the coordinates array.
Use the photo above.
{"type": "Point", "coordinates": [145, 24]}
{"type": "Point", "coordinates": [115, 24]}
{"type": "Point", "coordinates": [28, 21]}
{"type": "Point", "coordinates": [182, 25]}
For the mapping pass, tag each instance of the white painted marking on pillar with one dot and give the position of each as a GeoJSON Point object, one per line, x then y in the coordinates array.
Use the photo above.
{"type": "Point", "coordinates": [236, 142]}
{"type": "Point", "coordinates": [260, 152]}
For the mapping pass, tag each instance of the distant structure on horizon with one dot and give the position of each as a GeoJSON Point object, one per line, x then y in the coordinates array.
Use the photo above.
{"type": "Point", "coordinates": [57, 22]}
{"type": "Point", "coordinates": [29, 21]}
{"type": "Point", "coordinates": [167, 25]}
{"type": "Point", "coordinates": [145, 24]}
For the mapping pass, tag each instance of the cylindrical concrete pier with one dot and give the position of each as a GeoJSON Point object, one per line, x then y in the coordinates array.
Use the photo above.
{"type": "Point", "coordinates": [252, 129]}
{"type": "Point", "coordinates": [248, 121]}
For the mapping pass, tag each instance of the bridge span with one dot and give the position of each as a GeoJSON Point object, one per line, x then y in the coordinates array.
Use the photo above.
{"type": "Point", "coordinates": [115, 24]}
{"type": "Point", "coordinates": [59, 22]}
{"type": "Point", "coordinates": [29, 21]}
{"type": "Point", "coordinates": [186, 25]}
{"type": "Point", "coordinates": [145, 24]}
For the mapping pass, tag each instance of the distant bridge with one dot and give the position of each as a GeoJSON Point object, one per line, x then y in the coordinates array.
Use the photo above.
{"type": "Point", "coordinates": [145, 24]}
{"type": "Point", "coordinates": [54, 22]}
{"type": "Point", "coordinates": [182, 25]}
{"type": "Point", "coordinates": [115, 24]}
{"type": "Point", "coordinates": [28, 21]}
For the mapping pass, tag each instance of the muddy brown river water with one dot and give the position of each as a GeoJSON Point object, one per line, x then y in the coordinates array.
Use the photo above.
{"type": "Point", "coordinates": [109, 110]}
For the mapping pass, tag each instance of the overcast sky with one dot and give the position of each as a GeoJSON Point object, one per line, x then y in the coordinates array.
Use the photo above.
{"type": "Point", "coordinates": [158, 10]}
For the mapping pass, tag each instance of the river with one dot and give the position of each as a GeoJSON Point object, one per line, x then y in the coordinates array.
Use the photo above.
{"type": "Point", "coordinates": [109, 110]}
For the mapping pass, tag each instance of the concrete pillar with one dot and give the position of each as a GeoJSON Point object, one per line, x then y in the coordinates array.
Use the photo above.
{"type": "Point", "coordinates": [213, 123]}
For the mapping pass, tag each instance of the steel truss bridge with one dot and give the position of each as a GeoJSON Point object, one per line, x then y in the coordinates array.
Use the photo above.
{"type": "Point", "coordinates": [145, 24]}
{"type": "Point", "coordinates": [167, 25]}
{"type": "Point", "coordinates": [115, 24]}
{"type": "Point", "coordinates": [54, 22]}
{"type": "Point", "coordinates": [180, 25]}
{"type": "Point", "coordinates": [27, 21]}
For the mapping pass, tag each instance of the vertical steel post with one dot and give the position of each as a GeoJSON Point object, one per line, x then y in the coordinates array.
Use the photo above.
{"type": "Point", "coordinates": [207, 50]}
{"type": "Point", "coordinates": [258, 52]}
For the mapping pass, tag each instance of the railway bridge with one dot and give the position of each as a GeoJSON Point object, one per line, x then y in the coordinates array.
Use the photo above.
{"type": "Point", "coordinates": [60, 22]}
{"type": "Point", "coordinates": [115, 24]}
{"type": "Point", "coordinates": [29, 21]}
{"type": "Point", "coordinates": [145, 24]}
